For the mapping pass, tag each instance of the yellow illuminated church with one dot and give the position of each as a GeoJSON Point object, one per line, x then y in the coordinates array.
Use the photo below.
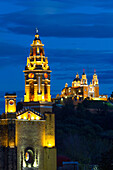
{"type": "Point", "coordinates": [27, 137]}
{"type": "Point", "coordinates": [80, 88]}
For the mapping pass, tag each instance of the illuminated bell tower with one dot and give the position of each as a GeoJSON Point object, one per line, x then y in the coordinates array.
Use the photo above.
{"type": "Point", "coordinates": [10, 105]}
{"type": "Point", "coordinates": [95, 79]}
{"type": "Point", "coordinates": [84, 79]}
{"type": "Point", "coordinates": [95, 84]}
{"type": "Point", "coordinates": [84, 84]}
{"type": "Point", "coordinates": [37, 73]}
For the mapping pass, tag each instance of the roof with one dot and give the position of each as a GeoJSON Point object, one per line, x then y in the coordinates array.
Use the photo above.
{"type": "Point", "coordinates": [77, 79]}
{"type": "Point", "coordinates": [10, 94]}
{"type": "Point", "coordinates": [83, 73]}
{"type": "Point", "coordinates": [29, 110]}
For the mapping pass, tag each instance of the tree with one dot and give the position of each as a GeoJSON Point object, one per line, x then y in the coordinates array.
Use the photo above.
{"type": "Point", "coordinates": [106, 162]}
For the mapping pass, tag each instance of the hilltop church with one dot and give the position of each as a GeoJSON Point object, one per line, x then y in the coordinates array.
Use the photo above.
{"type": "Point", "coordinates": [27, 137]}
{"type": "Point", "coordinates": [80, 89]}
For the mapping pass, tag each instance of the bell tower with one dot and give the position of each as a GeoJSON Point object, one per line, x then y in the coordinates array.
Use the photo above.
{"type": "Point", "coordinates": [37, 73]}
{"type": "Point", "coordinates": [84, 79]}
{"type": "Point", "coordinates": [84, 84]}
{"type": "Point", "coordinates": [10, 105]}
{"type": "Point", "coordinates": [95, 84]}
{"type": "Point", "coordinates": [95, 79]}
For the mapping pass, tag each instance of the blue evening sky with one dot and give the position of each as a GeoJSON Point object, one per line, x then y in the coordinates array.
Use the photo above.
{"type": "Point", "coordinates": [78, 34]}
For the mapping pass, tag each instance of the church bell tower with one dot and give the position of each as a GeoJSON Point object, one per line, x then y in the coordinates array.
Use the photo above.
{"type": "Point", "coordinates": [95, 84]}
{"type": "Point", "coordinates": [84, 84]}
{"type": "Point", "coordinates": [37, 73]}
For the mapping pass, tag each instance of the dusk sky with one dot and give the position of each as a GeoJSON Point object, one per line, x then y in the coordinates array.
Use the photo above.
{"type": "Point", "coordinates": [77, 34]}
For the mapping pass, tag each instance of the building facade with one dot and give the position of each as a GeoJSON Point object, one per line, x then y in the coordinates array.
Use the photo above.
{"type": "Point", "coordinates": [27, 137]}
{"type": "Point", "coordinates": [80, 88]}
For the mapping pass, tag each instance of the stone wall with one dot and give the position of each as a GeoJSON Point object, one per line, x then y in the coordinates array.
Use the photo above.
{"type": "Point", "coordinates": [8, 158]}
{"type": "Point", "coordinates": [30, 134]}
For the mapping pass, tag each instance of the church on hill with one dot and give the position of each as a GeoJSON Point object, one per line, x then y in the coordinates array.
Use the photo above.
{"type": "Point", "coordinates": [80, 89]}
{"type": "Point", "coordinates": [27, 137]}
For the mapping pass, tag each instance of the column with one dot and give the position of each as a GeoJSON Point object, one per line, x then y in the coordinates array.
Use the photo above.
{"type": "Point", "coordinates": [27, 95]}
{"type": "Point", "coordinates": [48, 93]}
{"type": "Point", "coordinates": [43, 97]}
{"type": "Point", "coordinates": [39, 85]}
{"type": "Point", "coordinates": [39, 88]}
{"type": "Point", "coordinates": [35, 92]}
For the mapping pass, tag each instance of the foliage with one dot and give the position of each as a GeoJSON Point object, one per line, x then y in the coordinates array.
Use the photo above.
{"type": "Point", "coordinates": [81, 134]}
{"type": "Point", "coordinates": [106, 162]}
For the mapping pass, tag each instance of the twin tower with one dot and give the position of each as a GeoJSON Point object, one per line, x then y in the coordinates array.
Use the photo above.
{"type": "Point", "coordinates": [27, 136]}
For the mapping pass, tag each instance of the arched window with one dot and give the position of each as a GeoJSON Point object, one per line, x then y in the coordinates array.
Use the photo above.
{"type": "Point", "coordinates": [29, 157]}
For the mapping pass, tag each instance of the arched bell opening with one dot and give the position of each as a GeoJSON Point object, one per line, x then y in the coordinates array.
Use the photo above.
{"type": "Point", "coordinates": [45, 91]}
{"type": "Point", "coordinates": [31, 90]}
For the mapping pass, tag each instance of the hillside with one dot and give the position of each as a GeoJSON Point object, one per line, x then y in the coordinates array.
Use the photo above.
{"type": "Point", "coordinates": [84, 130]}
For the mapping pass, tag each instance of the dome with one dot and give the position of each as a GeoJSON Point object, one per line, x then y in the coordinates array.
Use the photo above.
{"type": "Point", "coordinates": [77, 79]}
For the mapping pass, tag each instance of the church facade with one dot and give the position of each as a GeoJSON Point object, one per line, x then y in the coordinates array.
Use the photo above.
{"type": "Point", "coordinates": [80, 88]}
{"type": "Point", "coordinates": [27, 137]}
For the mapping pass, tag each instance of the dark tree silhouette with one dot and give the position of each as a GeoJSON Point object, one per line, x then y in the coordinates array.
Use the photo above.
{"type": "Point", "coordinates": [106, 162]}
